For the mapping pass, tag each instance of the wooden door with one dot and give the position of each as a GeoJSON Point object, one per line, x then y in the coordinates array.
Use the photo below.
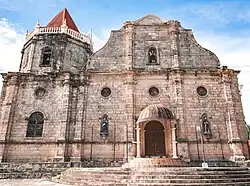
{"type": "Point", "coordinates": [154, 139]}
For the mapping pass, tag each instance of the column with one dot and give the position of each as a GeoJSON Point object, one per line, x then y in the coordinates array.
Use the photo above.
{"type": "Point", "coordinates": [138, 142]}
{"type": "Point", "coordinates": [174, 142]}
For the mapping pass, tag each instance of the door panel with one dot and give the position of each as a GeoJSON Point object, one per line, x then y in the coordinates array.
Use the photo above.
{"type": "Point", "coordinates": [149, 144]}
{"type": "Point", "coordinates": [154, 139]}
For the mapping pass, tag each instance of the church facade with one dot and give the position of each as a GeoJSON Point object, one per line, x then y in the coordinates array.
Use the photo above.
{"type": "Point", "coordinates": [152, 90]}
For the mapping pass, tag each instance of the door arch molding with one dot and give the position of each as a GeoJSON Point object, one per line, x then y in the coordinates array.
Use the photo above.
{"type": "Point", "coordinates": [161, 114]}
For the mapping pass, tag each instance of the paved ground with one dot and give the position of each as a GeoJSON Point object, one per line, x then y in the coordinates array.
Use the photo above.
{"type": "Point", "coordinates": [29, 182]}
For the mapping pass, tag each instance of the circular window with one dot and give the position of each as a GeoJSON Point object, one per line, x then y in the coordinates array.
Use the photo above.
{"type": "Point", "coordinates": [153, 91]}
{"type": "Point", "coordinates": [105, 92]}
{"type": "Point", "coordinates": [40, 92]}
{"type": "Point", "coordinates": [201, 91]}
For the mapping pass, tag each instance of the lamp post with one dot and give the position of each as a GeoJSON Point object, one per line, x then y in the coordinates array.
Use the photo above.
{"type": "Point", "coordinates": [204, 164]}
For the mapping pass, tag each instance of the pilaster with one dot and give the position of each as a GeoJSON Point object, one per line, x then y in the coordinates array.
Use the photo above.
{"type": "Point", "coordinates": [8, 103]}
{"type": "Point", "coordinates": [234, 139]}
{"type": "Point", "coordinates": [63, 134]}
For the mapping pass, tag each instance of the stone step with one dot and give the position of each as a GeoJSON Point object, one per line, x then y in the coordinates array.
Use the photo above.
{"type": "Point", "coordinates": [95, 181]}
{"type": "Point", "coordinates": [229, 180]}
{"type": "Point", "coordinates": [192, 168]}
{"type": "Point", "coordinates": [157, 176]}
{"type": "Point", "coordinates": [192, 176]}
{"type": "Point", "coordinates": [155, 162]}
{"type": "Point", "coordinates": [188, 184]}
{"type": "Point", "coordinates": [86, 183]}
{"type": "Point", "coordinates": [149, 173]}
{"type": "Point", "coordinates": [37, 164]}
{"type": "Point", "coordinates": [196, 173]}
{"type": "Point", "coordinates": [17, 170]}
{"type": "Point", "coordinates": [28, 175]}
{"type": "Point", "coordinates": [166, 169]}
{"type": "Point", "coordinates": [147, 180]}
{"type": "Point", "coordinates": [170, 162]}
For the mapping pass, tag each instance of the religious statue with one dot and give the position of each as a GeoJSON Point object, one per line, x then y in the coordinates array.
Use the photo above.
{"type": "Point", "coordinates": [152, 55]}
{"type": "Point", "coordinates": [206, 126]}
{"type": "Point", "coordinates": [104, 125]}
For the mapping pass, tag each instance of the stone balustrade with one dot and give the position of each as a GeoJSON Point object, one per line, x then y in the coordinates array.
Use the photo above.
{"type": "Point", "coordinates": [54, 30]}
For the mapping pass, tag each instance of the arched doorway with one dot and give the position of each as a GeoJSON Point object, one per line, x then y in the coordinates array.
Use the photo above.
{"type": "Point", "coordinates": [154, 139]}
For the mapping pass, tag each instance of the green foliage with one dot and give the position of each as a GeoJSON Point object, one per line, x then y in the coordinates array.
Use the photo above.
{"type": "Point", "coordinates": [182, 140]}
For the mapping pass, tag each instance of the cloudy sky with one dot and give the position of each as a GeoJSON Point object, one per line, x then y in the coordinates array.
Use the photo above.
{"type": "Point", "coordinates": [222, 26]}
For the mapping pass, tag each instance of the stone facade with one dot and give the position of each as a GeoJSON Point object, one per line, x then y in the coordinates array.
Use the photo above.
{"type": "Point", "coordinates": [78, 90]}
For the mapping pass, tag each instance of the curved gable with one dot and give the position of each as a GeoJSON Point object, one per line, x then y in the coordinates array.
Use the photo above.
{"type": "Point", "coordinates": [148, 20]}
{"type": "Point", "coordinates": [175, 46]}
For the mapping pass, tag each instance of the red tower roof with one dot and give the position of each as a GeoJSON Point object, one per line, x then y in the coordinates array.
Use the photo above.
{"type": "Point", "coordinates": [60, 18]}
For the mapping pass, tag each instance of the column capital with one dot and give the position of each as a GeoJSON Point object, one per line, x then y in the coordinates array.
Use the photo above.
{"type": "Point", "coordinates": [174, 123]}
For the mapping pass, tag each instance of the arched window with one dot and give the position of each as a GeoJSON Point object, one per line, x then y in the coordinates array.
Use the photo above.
{"type": "Point", "coordinates": [152, 55]}
{"type": "Point", "coordinates": [46, 56]}
{"type": "Point", "coordinates": [35, 125]}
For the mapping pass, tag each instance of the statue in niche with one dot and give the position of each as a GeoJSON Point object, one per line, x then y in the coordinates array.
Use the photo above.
{"type": "Point", "coordinates": [104, 125]}
{"type": "Point", "coordinates": [152, 55]}
{"type": "Point", "coordinates": [206, 126]}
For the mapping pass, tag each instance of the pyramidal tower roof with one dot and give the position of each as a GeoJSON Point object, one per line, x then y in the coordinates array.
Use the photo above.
{"type": "Point", "coordinates": [61, 18]}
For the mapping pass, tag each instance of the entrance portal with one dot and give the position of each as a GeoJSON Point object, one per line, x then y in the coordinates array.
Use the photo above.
{"type": "Point", "coordinates": [154, 139]}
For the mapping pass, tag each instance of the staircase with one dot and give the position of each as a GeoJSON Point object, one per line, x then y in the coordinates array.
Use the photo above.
{"type": "Point", "coordinates": [155, 162]}
{"type": "Point", "coordinates": [178, 176]}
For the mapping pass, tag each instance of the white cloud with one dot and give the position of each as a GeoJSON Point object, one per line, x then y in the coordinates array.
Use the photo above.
{"type": "Point", "coordinates": [10, 46]}
{"type": "Point", "coordinates": [216, 12]}
{"type": "Point", "coordinates": [99, 40]}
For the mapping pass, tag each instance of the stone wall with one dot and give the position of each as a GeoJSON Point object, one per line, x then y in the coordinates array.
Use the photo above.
{"type": "Point", "coordinates": [73, 105]}
{"type": "Point", "coordinates": [192, 55]}
{"type": "Point", "coordinates": [115, 107]}
{"type": "Point", "coordinates": [68, 54]}
{"type": "Point", "coordinates": [112, 56]}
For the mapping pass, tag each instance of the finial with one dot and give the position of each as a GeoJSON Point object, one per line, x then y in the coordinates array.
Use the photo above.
{"type": "Point", "coordinates": [64, 22]}
{"type": "Point", "coordinates": [37, 24]}
{"type": "Point", "coordinates": [64, 26]}
{"type": "Point", "coordinates": [27, 33]}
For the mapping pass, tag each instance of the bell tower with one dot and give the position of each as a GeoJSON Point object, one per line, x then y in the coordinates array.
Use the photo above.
{"type": "Point", "coordinates": [57, 47]}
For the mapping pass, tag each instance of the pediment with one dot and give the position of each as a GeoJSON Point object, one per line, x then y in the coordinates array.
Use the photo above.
{"type": "Point", "coordinates": [148, 20]}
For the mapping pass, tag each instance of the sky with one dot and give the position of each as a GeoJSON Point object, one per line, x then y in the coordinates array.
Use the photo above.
{"type": "Point", "coordinates": [222, 26]}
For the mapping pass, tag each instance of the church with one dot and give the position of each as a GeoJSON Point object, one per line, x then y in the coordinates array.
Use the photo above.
{"type": "Point", "coordinates": [150, 91]}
